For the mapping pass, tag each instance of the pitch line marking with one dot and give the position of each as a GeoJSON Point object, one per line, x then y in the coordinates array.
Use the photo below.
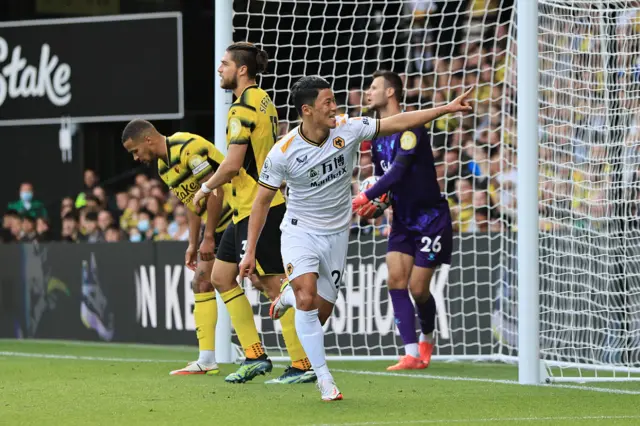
{"type": "Point", "coordinates": [355, 372]}
{"type": "Point", "coordinates": [482, 420]}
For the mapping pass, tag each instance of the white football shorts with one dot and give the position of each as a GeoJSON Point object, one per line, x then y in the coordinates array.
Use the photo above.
{"type": "Point", "coordinates": [325, 255]}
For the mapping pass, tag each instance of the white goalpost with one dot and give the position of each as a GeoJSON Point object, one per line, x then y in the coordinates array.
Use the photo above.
{"type": "Point", "coordinates": [542, 178]}
{"type": "Point", "coordinates": [222, 101]}
{"type": "Point", "coordinates": [527, 193]}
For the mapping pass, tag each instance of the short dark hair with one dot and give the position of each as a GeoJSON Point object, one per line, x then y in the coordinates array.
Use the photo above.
{"type": "Point", "coordinates": [306, 90]}
{"type": "Point", "coordinates": [12, 213]}
{"type": "Point", "coordinates": [91, 217]}
{"type": "Point", "coordinates": [29, 218]}
{"type": "Point", "coordinates": [113, 228]}
{"type": "Point", "coordinates": [249, 55]}
{"type": "Point", "coordinates": [70, 216]}
{"type": "Point", "coordinates": [135, 129]}
{"type": "Point", "coordinates": [147, 212]}
{"type": "Point", "coordinates": [393, 80]}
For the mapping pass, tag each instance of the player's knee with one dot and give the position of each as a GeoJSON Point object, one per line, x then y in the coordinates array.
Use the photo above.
{"type": "Point", "coordinates": [305, 300]}
{"type": "Point", "coordinates": [221, 285]}
{"type": "Point", "coordinates": [205, 286]}
{"type": "Point", "coordinates": [397, 282]}
{"type": "Point", "coordinates": [223, 280]}
{"type": "Point", "coordinates": [201, 286]}
{"type": "Point", "coordinates": [420, 293]}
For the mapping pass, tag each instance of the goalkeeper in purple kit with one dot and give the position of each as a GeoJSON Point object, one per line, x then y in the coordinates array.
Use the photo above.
{"type": "Point", "coordinates": [421, 231]}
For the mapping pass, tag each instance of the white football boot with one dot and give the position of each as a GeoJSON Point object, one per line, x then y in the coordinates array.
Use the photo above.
{"type": "Point", "coordinates": [196, 368]}
{"type": "Point", "coordinates": [329, 390]}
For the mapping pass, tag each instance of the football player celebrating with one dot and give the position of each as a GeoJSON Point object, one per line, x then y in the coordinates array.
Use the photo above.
{"type": "Point", "coordinates": [252, 126]}
{"type": "Point", "coordinates": [316, 161]}
{"type": "Point", "coordinates": [421, 232]}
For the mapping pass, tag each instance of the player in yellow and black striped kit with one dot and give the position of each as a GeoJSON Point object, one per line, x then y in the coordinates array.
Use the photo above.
{"type": "Point", "coordinates": [252, 127]}
{"type": "Point", "coordinates": [184, 161]}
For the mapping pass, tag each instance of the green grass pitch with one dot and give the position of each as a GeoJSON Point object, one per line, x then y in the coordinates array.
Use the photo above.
{"type": "Point", "coordinates": [68, 383]}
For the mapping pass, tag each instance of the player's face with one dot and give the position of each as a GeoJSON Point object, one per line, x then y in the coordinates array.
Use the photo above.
{"type": "Point", "coordinates": [324, 109]}
{"type": "Point", "coordinates": [228, 72]}
{"type": "Point", "coordinates": [140, 150]}
{"type": "Point", "coordinates": [377, 94]}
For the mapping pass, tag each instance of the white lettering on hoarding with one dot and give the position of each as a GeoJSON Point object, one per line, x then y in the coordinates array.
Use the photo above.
{"type": "Point", "coordinates": [146, 289]}
{"type": "Point", "coordinates": [50, 77]}
{"type": "Point", "coordinates": [171, 300]}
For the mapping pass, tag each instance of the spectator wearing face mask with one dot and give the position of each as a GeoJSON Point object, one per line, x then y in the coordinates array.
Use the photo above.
{"type": "Point", "coordinates": [179, 228]}
{"type": "Point", "coordinates": [134, 235]}
{"type": "Point", "coordinates": [26, 205]}
{"type": "Point", "coordinates": [161, 226]}
{"type": "Point", "coordinates": [145, 219]}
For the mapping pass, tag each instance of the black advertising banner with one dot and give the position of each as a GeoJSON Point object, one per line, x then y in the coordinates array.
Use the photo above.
{"type": "Point", "coordinates": [81, 291]}
{"type": "Point", "coordinates": [141, 293]}
{"type": "Point", "coordinates": [94, 69]}
{"type": "Point", "coordinates": [164, 297]}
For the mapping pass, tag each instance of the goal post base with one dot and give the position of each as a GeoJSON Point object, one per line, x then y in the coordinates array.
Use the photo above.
{"type": "Point", "coordinates": [591, 379]}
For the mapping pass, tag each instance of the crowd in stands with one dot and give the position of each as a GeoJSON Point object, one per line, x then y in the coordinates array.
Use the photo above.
{"type": "Point", "coordinates": [147, 211]}
{"type": "Point", "coordinates": [475, 156]}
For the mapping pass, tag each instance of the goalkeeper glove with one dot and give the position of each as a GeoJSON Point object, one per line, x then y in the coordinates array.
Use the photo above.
{"type": "Point", "coordinates": [363, 207]}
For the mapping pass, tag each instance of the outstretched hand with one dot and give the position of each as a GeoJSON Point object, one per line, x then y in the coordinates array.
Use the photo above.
{"type": "Point", "coordinates": [461, 103]}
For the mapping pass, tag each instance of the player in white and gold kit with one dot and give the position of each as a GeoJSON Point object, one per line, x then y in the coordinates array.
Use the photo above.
{"type": "Point", "coordinates": [315, 236]}
{"type": "Point", "coordinates": [316, 160]}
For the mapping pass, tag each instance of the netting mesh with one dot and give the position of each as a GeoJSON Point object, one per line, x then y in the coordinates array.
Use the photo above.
{"type": "Point", "coordinates": [588, 161]}
{"type": "Point", "coordinates": [589, 104]}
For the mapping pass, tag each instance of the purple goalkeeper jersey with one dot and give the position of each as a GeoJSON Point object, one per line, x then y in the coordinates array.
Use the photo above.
{"type": "Point", "coordinates": [406, 162]}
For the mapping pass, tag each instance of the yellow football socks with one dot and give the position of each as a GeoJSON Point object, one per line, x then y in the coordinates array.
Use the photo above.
{"type": "Point", "coordinates": [242, 320]}
{"type": "Point", "coordinates": [298, 357]}
{"type": "Point", "coordinates": [205, 314]}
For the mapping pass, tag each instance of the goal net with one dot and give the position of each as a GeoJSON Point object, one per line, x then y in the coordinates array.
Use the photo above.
{"type": "Point", "coordinates": [589, 159]}
{"type": "Point", "coordinates": [590, 293]}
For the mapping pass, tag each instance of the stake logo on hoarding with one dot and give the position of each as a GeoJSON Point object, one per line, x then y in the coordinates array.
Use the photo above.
{"type": "Point", "coordinates": [50, 77]}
